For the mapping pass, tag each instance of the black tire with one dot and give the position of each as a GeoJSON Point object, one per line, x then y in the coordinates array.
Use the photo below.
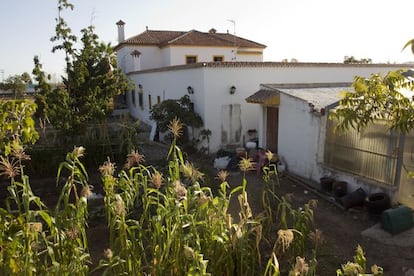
{"type": "Point", "coordinates": [378, 202]}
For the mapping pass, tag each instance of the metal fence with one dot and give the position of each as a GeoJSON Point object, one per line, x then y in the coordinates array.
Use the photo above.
{"type": "Point", "coordinates": [372, 152]}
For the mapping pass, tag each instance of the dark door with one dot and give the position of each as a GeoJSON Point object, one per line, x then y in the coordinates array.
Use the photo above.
{"type": "Point", "coordinates": [272, 126]}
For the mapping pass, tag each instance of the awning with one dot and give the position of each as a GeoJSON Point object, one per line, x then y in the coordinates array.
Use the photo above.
{"type": "Point", "coordinates": [265, 97]}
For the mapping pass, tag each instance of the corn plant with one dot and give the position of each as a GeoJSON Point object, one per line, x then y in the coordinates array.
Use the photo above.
{"type": "Point", "coordinates": [71, 211]}
{"type": "Point", "coordinates": [358, 266]}
{"type": "Point", "coordinates": [33, 241]}
{"type": "Point", "coordinates": [21, 233]}
{"type": "Point", "coordinates": [173, 226]}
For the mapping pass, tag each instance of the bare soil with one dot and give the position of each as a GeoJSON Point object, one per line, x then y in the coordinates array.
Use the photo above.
{"type": "Point", "coordinates": [341, 228]}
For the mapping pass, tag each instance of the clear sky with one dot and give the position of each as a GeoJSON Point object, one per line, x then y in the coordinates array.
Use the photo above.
{"type": "Point", "coordinates": [307, 30]}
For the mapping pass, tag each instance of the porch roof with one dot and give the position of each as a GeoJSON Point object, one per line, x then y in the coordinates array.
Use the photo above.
{"type": "Point", "coordinates": [320, 95]}
{"type": "Point", "coordinates": [262, 96]}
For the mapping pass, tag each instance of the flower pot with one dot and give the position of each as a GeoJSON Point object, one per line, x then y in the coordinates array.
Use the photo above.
{"type": "Point", "coordinates": [377, 203]}
{"type": "Point", "coordinates": [339, 188]}
{"type": "Point", "coordinates": [326, 183]}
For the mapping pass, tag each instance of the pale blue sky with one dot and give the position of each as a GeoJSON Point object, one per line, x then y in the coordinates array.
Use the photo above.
{"type": "Point", "coordinates": [308, 30]}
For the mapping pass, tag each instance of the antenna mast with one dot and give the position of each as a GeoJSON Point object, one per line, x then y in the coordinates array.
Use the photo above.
{"type": "Point", "coordinates": [234, 38]}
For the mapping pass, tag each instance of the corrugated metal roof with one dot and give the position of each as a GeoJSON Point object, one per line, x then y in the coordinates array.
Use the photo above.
{"type": "Point", "coordinates": [320, 95]}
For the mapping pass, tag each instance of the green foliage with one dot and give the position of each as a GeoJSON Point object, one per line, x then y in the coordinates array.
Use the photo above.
{"type": "Point", "coordinates": [16, 84]}
{"type": "Point", "coordinates": [170, 225]}
{"type": "Point", "coordinates": [16, 123]}
{"type": "Point", "coordinates": [89, 86]}
{"type": "Point", "coordinates": [158, 225]}
{"type": "Point", "coordinates": [164, 112]}
{"type": "Point", "coordinates": [409, 43]}
{"type": "Point", "coordinates": [358, 266]}
{"type": "Point", "coordinates": [377, 98]}
{"type": "Point", "coordinates": [205, 135]}
{"type": "Point", "coordinates": [352, 59]}
{"type": "Point", "coordinates": [33, 240]}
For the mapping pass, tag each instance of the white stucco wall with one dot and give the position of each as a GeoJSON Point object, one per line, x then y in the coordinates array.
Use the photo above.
{"type": "Point", "coordinates": [212, 83]}
{"type": "Point", "coordinates": [206, 54]}
{"type": "Point", "coordinates": [298, 136]}
{"type": "Point", "coordinates": [151, 57]}
{"type": "Point", "coordinates": [154, 57]}
{"type": "Point", "coordinates": [167, 85]}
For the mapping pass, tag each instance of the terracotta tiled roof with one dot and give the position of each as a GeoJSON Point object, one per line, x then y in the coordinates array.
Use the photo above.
{"type": "Point", "coordinates": [261, 96]}
{"type": "Point", "coordinates": [190, 38]}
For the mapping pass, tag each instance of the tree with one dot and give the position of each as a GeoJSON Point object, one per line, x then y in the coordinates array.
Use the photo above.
{"type": "Point", "coordinates": [16, 124]}
{"type": "Point", "coordinates": [90, 83]}
{"type": "Point", "coordinates": [388, 97]}
{"type": "Point", "coordinates": [352, 59]}
{"type": "Point", "coordinates": [164, 113]}
{"type": "Point", "coordinates": [377, 97]}
{"type": "Point", "coordinates": [17, 84]}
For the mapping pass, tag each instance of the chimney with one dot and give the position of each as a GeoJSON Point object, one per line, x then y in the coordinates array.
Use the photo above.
{"type": "Point", "coordinates": [212, 31]}
{"type": "Point", "coordinates": [136, 62]}
{"type": "Point", "coordinates": [121, 32]}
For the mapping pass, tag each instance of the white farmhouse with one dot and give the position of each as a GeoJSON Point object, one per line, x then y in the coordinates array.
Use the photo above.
{"type": "Point", "coordinates": [218, 71]}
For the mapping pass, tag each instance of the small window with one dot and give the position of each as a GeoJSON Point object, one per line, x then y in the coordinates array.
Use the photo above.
{"type": "Point", "coordinates": [190, 59]}
{"type": "Point", "coordinates": [141, 99]}
{"type": "Point", "coordinates": [218, 58]}
{"type": "Point", "coordinates": [133, 97]}
{"type": "Point", "coordinates": [158, 99]}
{"type": "Point", "coordinates": [149, 101]}
{"type": "Point", "coordinates": [140, 96]}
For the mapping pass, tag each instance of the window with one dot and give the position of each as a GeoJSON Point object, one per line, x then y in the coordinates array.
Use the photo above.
{"type": "Point", "coordinates": [218, 58]}
{"type": "Point", "coordinates": [133, 97]}
{"type": "Point", "coordinates": [190, 59]}
{"type": "Point", "coordinates": [141, 99]}
{"type": "Point", "coordinates": [158, 99]}
{"type": "Point", "coordinates": [140, 96]}
{"type": "Point", "coordinates": [149, 101]}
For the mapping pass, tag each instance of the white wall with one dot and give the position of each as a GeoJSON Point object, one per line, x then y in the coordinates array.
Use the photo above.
{"type": "Point", "coordinates": [167, 85]}
{"type": "Point", "coordinates": [206, 54]}
{"type": "Point", "coordinates": [298, 136]}
{"type": "Point", "coordinates": [212, 83]}
{"type": "Point", "coordinates": [153, 57]}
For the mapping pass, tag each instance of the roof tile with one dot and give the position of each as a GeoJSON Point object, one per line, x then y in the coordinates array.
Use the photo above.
{"type": "Point", "coordinates": [190, 38]}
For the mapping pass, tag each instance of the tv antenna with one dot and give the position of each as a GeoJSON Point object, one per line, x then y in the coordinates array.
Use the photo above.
{"type": "Point", "coordinates": [234, 37]}
{"type": "Point", "coordinates": [234, 25]}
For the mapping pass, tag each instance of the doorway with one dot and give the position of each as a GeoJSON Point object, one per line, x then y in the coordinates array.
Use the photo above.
{"type": "Point", "coordinates": [272, 127]}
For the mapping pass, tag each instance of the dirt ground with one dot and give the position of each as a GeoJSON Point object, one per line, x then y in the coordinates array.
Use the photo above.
{"type": "Point", "coordinates": [341, 229]}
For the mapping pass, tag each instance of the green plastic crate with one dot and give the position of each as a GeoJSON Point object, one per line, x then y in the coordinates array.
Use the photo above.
{"type": "Point", "coordinates": [397, 219]}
